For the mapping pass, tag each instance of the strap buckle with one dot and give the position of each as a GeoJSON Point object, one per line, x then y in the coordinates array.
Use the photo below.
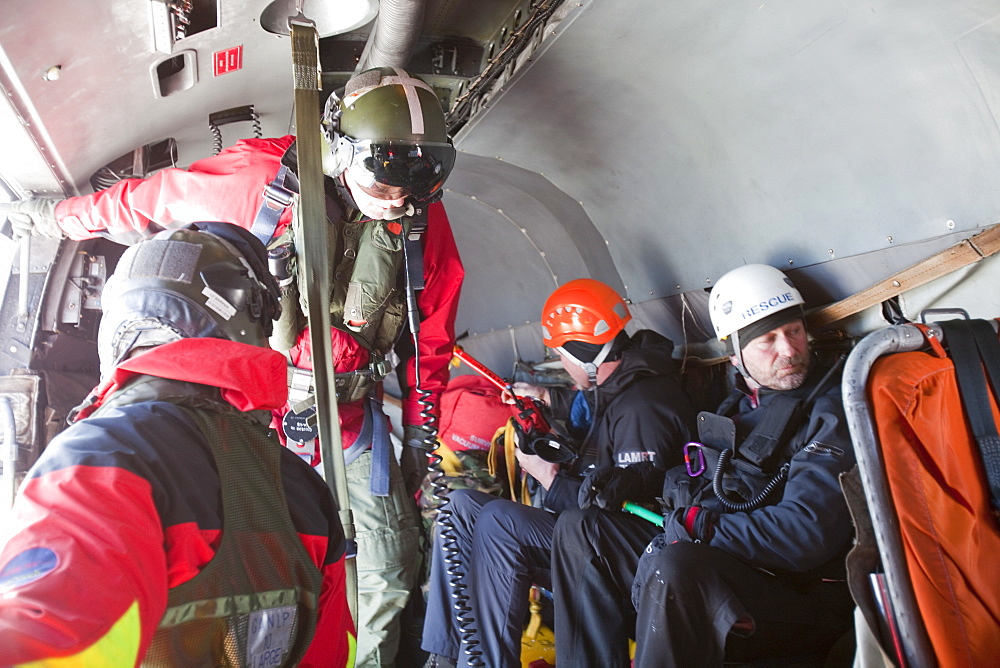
{"type": "Point", "coordinates": [277, 197]}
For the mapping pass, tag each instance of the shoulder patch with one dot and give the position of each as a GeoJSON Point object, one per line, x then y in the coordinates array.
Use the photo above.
{"type": "Point", "coordinates": [26, 567]}
{"type": "Point", "coordinates": [818, 448]}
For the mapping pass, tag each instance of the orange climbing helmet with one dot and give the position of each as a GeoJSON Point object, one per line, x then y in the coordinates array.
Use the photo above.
{"type": "Point", "coordinates": [583, 310]}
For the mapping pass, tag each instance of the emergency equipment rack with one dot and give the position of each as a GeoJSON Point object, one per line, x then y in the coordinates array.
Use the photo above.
{"type": "Point", "coordinates": [908, 636]}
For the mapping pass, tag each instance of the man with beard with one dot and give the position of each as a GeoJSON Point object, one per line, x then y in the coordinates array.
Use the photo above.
{"type": "Point", "coordinates": [750, 560]}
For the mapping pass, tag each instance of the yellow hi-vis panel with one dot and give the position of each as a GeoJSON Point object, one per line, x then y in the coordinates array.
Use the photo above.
{"type": "Point", "coordinates": [118, 647]}
{"type": "Point", "coordinates": [352, 652]}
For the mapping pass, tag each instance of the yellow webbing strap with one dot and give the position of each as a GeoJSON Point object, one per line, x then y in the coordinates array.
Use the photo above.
{"type": "Point", "coordinates": [118, 647]}
{"type": "Point", "coordinates": [450, 463]}
{"type": "Point", "coordinates": [968, 251]}
{"type": "Point", "coordinates": [508, 435]}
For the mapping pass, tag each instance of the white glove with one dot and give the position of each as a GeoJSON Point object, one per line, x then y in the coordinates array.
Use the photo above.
{"type": "Point", "coordinates": [35, 216]}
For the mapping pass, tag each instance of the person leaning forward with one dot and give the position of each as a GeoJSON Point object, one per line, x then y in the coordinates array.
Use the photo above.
{"type": "Point", "coordinates": [386, 159]}
{"type": "Point", "coordinates": [627, 414]}
{"type": "Point", "coordinates": [755, 571]}
{"type": "Point", "coordinates": [167, 525]}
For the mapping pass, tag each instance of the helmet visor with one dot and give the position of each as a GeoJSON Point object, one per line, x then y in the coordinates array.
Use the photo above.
{"type": "Point", "coordinates": [421, 168]}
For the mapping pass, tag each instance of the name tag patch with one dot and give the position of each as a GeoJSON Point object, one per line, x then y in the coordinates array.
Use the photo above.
{"type": "Point", "coordinates": [269, 636]}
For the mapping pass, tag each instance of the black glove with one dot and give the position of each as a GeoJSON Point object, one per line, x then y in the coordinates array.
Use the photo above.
{"type": "Point", "coordinates": [691, 524]}
{"type": "Point", "coordinates": [35, 216]}
{"type": "Point", "coordinates": [611, 486]}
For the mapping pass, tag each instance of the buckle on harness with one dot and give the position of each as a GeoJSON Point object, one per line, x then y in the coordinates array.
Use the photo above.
{"type": "Point", "coordinates": [378, 368]}
{"type": "Point", "coordinates": [349, 386]}
{"type": "Point", "coordinates": [277, 197]}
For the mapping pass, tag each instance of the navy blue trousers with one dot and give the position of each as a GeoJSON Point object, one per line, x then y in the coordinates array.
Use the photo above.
{"type": "Point", "coordinates": [686, 604]}
{"type": "Point", "coordinates": [502, 548]}
{"type": "Point", "coordinates": [595, 554]}
{"type": "Point", "coordinates": [696, 604]}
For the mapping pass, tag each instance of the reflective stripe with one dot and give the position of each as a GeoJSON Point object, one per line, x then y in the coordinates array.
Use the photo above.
{"type": "Point", "coordinates": [118, 647]}
{"type": "Point", "coordinates": [225, 606]}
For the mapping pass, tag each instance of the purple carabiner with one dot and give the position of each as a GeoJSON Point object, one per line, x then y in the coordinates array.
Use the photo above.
{"type": "Point", "coordinates": [698, 459]}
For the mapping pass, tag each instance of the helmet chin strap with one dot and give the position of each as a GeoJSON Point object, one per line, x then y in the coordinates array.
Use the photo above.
{"type": "Point", "coordinates": [738, 356]}
{"type": "Point", "coordinates": [589, 367]}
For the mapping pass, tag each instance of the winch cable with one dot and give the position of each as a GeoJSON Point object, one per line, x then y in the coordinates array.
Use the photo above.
{"type": "Point", "coordinates": [439, 486]}
{"type": "Point", "coordinates": [311, 239]}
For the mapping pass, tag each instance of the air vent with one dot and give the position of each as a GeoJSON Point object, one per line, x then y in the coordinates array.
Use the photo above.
{"type": "Point", "coordinates": [136, 164]}
{"type": "Point", "coordinates": [175, 74]}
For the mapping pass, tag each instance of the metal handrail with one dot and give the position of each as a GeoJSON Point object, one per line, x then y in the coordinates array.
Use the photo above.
{"type": "Point", "coordinates": [916, 646]}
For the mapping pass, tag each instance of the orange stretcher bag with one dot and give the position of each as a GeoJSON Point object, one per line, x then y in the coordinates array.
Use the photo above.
{"type": "Point", "coordinates": [941, 493]}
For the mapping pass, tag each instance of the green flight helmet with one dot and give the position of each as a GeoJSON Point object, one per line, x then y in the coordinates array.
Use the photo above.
{"type": "Point", "coordinates": [208, 280]}
{"type": "Point", "coordinates": [388, 128]}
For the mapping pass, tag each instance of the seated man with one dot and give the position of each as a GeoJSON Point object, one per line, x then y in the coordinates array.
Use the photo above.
{"type": "Point", "coordinates": [167, 525]}
{"type": "Point", "coordinates": [750, 565]}
{"type": "Point", "coordinates": [629, 411]}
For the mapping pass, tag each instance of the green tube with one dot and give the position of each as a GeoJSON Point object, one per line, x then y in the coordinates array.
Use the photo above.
{"type": "Point", "coordinates": [645, 514]}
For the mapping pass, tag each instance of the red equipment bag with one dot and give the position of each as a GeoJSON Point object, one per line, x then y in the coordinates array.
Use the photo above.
{"type": "Point", "coordinates": [471, 413]}
{"type": "Point", "coordinates": [936, 475]}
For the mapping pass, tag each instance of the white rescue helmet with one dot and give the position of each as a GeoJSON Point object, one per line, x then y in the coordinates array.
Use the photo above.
{"type": "Point", "coordinates": [751, 294]}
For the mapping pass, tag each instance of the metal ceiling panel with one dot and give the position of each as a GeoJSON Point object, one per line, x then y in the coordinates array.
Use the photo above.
{"type": "Point", "coordinates": [520, 237]}
{"type": "Point", "coordinates": [782, 132]}
{"type": "Point", "coordinates": [104, 103]}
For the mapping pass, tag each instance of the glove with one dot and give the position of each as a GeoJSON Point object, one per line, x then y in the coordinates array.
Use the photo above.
{"type": "Point", "coordinates": [691, 524]}
{"type": "Point", "coordinates": [611, 486]}
{"type": "Point", "coordinates": [413, 459]}
{"type": "Point", "coordinates": [35, 216]}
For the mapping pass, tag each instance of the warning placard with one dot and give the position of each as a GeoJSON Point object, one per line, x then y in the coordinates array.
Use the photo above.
{"type": "Point", "coordinates": [228, 60]}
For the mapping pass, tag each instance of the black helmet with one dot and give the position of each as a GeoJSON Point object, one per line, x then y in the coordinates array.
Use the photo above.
{"type": "Point", "coordinates": [208, 280]}
{"type": "Point", "coordinates": [389, 128]}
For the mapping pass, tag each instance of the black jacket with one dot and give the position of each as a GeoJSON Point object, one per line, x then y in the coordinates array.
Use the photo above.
{"type": "Point", "coordinates": [804, 526]}
{"type": "Point", "coordinates": [642, 415]}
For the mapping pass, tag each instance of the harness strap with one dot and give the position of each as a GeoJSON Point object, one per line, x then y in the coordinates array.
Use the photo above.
{"type": "Point", "coordinates": [779, 421]}
{"type": "Point", "coordinates": [973, 344]}
{"type": "Point", "coordinates": [277, 196]}
{"type": "Point", "coordinates": [964, 253]}
{"type": "Point", "coordinates": [374, 434]}
{"type": "Point", "coordinates": [381, 449]}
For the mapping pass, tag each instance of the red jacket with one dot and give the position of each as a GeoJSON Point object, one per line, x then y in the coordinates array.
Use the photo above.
{"type": "Point", "coordinates": [124, 505]}
{"type": "Point", "coordinates": [227, 187]}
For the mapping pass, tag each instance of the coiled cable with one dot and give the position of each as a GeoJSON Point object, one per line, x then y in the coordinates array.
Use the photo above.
{"type": "Point", "coordinates": [753, 503]}
{"type": "Point", "coordinates": [439, 486]}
